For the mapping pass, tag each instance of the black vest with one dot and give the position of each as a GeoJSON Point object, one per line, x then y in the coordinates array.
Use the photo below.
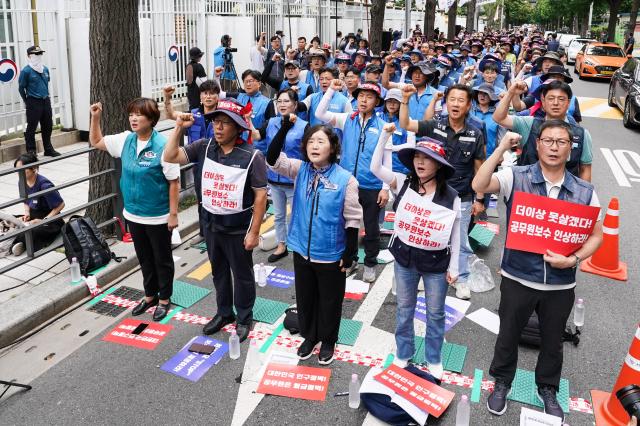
{"type": "Point", "coordinates": [424, 261]}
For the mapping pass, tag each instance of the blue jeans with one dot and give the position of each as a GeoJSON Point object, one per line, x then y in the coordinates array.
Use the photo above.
{"type": "Point", "coordinates": [465, 248]}
{"type": "Point", "coordinates": [435, 286]}
{"type": "Point", "coordinates": [281, 195]}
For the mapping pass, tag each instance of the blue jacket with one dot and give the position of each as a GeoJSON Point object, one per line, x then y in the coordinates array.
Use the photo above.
{"type": "Point", "coordinates": [144, 188]}
{"type": "Point", "coordinates": [490, 127]}
{"type": "Point", "coordinates": [291, 146]}
{"type": "Point", "coordinates": [199, 129]}
{"type": "Point", "coordinates": [312, 82]}
{"type": "Point", "coordinates": [531, 266]}
{"type": "Point", "coordinates": [319, 213]}
{"type": "Point", "coordinates": [338, 104]}
{"type": "Point", "coordinates": [218, 61]}
{"type": "Point", "coordinates": [358, 145]}
{"type": "Point", "coordinates": [33, 84]}
{"type": "Point", "coordinates": [399, 137]}
{"type": "Point", "coordinates": [301, 85]}
{"type": "Point", "coordinates": [259, 103]}
{"type": "Point", "coordinates": [419, 104]}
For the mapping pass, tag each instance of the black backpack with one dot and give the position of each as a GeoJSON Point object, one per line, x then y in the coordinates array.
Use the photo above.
{"type": "Point", "coordinates": [83, 240]}
{"type": "Point", "coordinates": [531, 333]}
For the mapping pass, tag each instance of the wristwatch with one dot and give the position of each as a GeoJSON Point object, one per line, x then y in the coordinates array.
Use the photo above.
{"type": "Point", "coordinates": [578, 260]}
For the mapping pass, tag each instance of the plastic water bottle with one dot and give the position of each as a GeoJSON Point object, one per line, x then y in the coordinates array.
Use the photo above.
{"type": "Point", "coordinates": [354, 392]}
{"type": "Point", "coordinates": [578, 313]}
{"type": "Point", "coordinates": [234, 345]}
{"type": "Point", "coordinates": [393, 286]}
{"type": "Point", "coordinates": [75, 270]}
{"type": "Point", "coordinates": [262, 275]}
{"type": "Point", "coordinates": [463, 411]}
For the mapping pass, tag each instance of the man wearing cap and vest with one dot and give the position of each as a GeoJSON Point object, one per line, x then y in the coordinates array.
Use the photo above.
{"type": "Point", "coordinates": [465, 145]}
{"type": "Point", "coordinates": [361, 132]}
{"type": "Point", "coordinates": [531, 281]}
{"type": "Point", "coordinates": [252, 81]}
{"type": "Point", "coordinates": [554, 97]}
{"type": "Point", "coordinates": [338, 104]}
{"type": "Point", "coordinates": [317, 61]}
{"type": "Point", "coordinates": [234, 198]}
{"type": "Point", "coordinates": [542, 64]}
{"type": "Point", "coordinates": [33, 85]}
{"type": "Point", "coordinates": [292, 79]}
{"type": "Point", "coordinates": [421, 74]}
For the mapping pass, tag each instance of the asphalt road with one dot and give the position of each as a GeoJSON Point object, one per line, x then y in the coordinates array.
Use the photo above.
{"type": "Point", "coordinates": [90, 381]}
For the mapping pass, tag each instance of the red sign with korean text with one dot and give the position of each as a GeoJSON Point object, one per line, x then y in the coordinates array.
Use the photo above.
{"type": "Point", "coordinates": [295, 381]}
{"type": "Point", "coordinates": [538, 224]}
{"type": "Point", "coordinates": [422, 393]}
{"type": "Point", "coordinates": [148, 338]}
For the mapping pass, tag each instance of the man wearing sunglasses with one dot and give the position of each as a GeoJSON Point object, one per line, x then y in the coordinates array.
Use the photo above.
{"type": "Point", "coordinates": [33, 85]}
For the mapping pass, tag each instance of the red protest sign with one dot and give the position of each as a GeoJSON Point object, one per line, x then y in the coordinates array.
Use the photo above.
{"type": "Point", "coordinates": [422, 393]}
{"type": "Point", "coordinates": [295, 381]}
{"type": "Point", "coordinates": [148, 338]}
{"type": "Point", "coordinates": [538, 224]}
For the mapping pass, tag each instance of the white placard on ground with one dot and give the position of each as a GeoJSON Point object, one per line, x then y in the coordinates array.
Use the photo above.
{"type": "Point", "coordinates": [386, 256]}
{"type": "Point", "coordinates": [487, 319]}
{"type": "Point", "coordinates": [356, 286]}
{"type": "Point", "coordinates": [530, 417]}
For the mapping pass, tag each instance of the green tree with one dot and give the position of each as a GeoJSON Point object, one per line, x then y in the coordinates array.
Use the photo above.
{"type": "Point", "coordinates": [517, 12]}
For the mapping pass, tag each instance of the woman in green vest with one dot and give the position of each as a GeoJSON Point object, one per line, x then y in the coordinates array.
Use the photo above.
{"type": "Point", "coordinates": [150, 189]}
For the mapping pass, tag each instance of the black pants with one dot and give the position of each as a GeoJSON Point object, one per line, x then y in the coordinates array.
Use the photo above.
{"type": "Point", "coordinates": [153, 248]}
{"type": "Point", "coordinates": [319, 295]}
{"type": "Point", "coordinates": [228, 255]}
{"type": "Point", "coordinates": [39, 111]}
{"type": "Point", "coordinates": [42, 235]}
{"type": "Point", "coordinates": [368, 199]}
{"type": "Point", "coordinates": [517, 303]}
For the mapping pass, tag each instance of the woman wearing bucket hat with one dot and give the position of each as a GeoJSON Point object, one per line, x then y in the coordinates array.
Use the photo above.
{"type": "Point", "coordinates": [400, 138]}
{"type": "Point", "coordinates": [195, 75]}
{"type": "Point", "coordinates": [484, 105]}
{"type": "Point", "coordinates": [146, 169]}
{"type": "Point", "coordinates": [325, 204]}
{"type": "Point", "coordinates": [424, 245]}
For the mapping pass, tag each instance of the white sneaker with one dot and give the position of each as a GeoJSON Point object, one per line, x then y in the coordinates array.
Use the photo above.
{"type": "Point", "coordinates": [369, 274]}
{"type": "Point", "coordinates": [402, 363]}
{"type": "Point", "coordinates": [17, 249]}
{"type": "Point", "coordinates": [462, 291]}
{"type": "Point", "coordinates": [436, 370]}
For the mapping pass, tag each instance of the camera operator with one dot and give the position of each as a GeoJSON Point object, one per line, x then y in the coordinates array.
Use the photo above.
{"type": "Point", "coordinates": [223, 55]}
{"type": "Point", "coordinates": [275, 61]}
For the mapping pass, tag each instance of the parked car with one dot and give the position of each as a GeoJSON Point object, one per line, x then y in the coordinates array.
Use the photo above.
{"type": "Point", "coordinates": [599, 60]}
{"type": "Point", "coordinates": [565, 39]}
{"type": "Point", "coordinates": [624, 92]}
{"type": "Point", "coordinates": [574, 47]}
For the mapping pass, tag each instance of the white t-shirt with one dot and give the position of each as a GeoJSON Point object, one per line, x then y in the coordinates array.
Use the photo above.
{"type": "Point", "coordinates": [257, 58]}
{"type": "Point", "coordinates": [505, 177]}
{"type": "Point", "coordinates": [171, 171]}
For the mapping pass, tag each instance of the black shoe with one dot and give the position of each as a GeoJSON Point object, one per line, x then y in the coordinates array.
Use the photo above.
{"type": "Point", "coordinates": [497, 401]}
{"type": "Point", "coordinates": [161, 311]}
{"type": "Point", "coordinates": [325, 357]}
{"type": "Point", "coordinates": [52, 153]}
{"type": "Point", "coordinates": [305, 350]}
{"type": "Point", "coordinates": [217, 323]}
{"type": "Point", "coordinates": [242, 330]}
{"type": "Point", "coordinates": [547, 395]}
{"type": "Point", "coordinates": [142, 307]}
{"type": "Point", "coordinates": [275, 257]}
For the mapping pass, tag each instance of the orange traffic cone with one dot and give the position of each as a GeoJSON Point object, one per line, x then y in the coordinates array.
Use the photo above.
{"type": "Point", "coordinates": [606, 406]}
{"type": "Point", "coordinates": [606, 260]}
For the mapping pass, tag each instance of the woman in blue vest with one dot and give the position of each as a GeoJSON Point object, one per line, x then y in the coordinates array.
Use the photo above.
{"type": "Point", "coordinates": [150, 188]}
{"type": "Point", "coordinates": [391, 114]}
{"type": "Point", "coordinates": [425, 243]}
{"type": "Point", "coordinates": [323, 234]}
{"type": "Point", "coordinates": [286, 125]}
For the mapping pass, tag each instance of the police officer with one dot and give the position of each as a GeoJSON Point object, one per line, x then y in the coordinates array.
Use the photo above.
{"type": "Point", "coordinates": [465, 146]}
{"type": "Point", "coordinates": [33, 85]}
{"type": "Point", "coordinates": [234, 198]}
{"type": "Point", "coordinates": [530, 281]}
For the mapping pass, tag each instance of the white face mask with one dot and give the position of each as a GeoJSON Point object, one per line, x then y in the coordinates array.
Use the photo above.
{"type": "Point", "coordinates": [35, 61]}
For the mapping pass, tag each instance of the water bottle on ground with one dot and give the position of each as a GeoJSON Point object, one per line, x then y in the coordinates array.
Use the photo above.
{"type": "Point", "coordinates": [75, 270]}
{"type": "Point", "coordinates": [262, 275]}
{"type": "Point", "coordinates": [234, 345]}
{"type": "Point", "coordinates": [354, 392]}
{"type": "Point", "coordinates": [578, 313]}
{"type": "Point", "coordinates": [463, 411]}
{"type": "Point", "coordinates": [393, 286]}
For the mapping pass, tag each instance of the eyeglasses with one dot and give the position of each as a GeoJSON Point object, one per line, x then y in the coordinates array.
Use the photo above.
{"type": "Point", "coordinates": [219, 122]}
{"type": "Point", "coordinates": [251, 81]}
{"type": "Point", "coordinates": [556, 99]}
{"type": "Point", "coordinates": [562, 143]}
{"type": "Point", "coordinates": [283, 101]}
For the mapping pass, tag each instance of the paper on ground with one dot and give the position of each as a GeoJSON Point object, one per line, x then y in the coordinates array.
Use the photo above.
{"type": "Point", "coordinates": [356, 286]}
{"type": "Point", "coordinates": [458, 304]}
{"type": "Point", "coordinates": [176, 258]}
{"type": "Point", "coordinates": [267, 268]}
{"type": "Point", "coordinates": [386, 256]}
{"type": "Point", "coordinates": [175, 237]}
{"type": "Point", "coordinates": [371, 385]}
{"type": "Point", "coordinates": [487, 319]}
{"type": "Point", "coordinates": [530, 417]}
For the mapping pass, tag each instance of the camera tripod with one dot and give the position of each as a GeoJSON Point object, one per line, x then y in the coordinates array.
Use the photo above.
{"type": "Point", "coordinates": [229, 85]}
{"type": "Point", "coordinates": [9, 384]}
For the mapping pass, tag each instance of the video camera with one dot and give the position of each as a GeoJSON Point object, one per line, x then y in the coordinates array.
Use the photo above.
{"type": "Point", "coordinates": [228, 57]}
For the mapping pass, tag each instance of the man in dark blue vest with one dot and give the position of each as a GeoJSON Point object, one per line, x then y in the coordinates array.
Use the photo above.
{"type": "Point", "coordinates": [530, 281]}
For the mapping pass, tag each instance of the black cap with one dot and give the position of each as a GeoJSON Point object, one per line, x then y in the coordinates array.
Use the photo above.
{"type": "Point", "coordinates": [34, 50]}
{"type": "Point", "coordinates": [195, 53]}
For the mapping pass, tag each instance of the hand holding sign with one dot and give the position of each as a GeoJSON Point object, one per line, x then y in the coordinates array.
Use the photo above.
{"type": "Point", "coordinates": [559, 261]}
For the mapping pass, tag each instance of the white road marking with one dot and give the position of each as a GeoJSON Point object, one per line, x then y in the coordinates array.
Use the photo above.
{"type": "Point", "coordinates": [615, 168]}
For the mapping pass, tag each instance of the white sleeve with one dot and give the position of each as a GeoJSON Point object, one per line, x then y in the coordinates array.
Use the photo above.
{"type": "Point", "coordinates": [410, 143]}
{"type": "Point", "coordinates": [115, 143]}
{"type": "Point", "coordinates": [171, 170]}
{"type": "Point", "coordinates": [505, 177]}
{"type": "Point", "coordinates": [348, 109]}
{"type": "Point", "coordinates": [379, 164]}
{"type": "Point", "coordinates": [455, 240]}
{"type": "Point", "coordinates": [303, 75]}
{"type": "Point", "coordinates": [323, 113]}
{"type": "Point", "coordinates": [307, 102]}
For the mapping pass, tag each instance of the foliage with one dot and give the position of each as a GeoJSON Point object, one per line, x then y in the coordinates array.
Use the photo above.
{"type": "Point", "coordinates": [517, 11]}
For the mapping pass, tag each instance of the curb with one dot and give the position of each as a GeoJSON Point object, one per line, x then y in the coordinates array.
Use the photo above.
{"type": "Point", "coordinates": [40, 303]}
